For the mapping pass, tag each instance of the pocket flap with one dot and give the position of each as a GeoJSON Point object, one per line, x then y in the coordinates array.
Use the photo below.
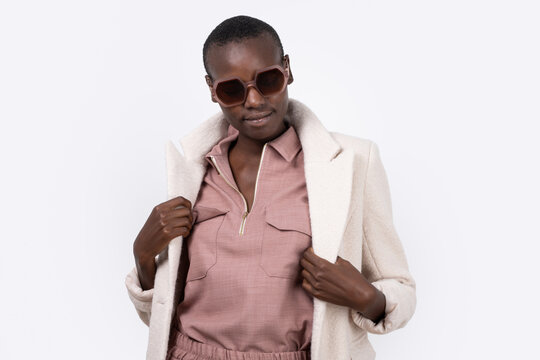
{"type": "Point", "coordinates": [289, 217]}
{"type": "Point", "coordinates": [202, 213]}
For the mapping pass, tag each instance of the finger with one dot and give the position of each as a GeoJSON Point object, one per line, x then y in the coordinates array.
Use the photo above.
{"type": "Point", "coordinates": [305, 260]}
{"type": "Point", "coordinates": [182, 221]}
{"type": "Point", "coordinates": [308, 266]}
{"type": "Point", "coordinates": [174, 231]}
{"type": "Point", "coordinates": [313, 258]}
{"type": "Point", "coordinates": [180, 213]}
{"type": "Point", "coordinates": [313, 291]}
{"type": "Point", "coordinates": [307, 286]}
{"type": "Point", "coordinates": [309, 278]}
{"type": "Point", "coordinates": [178, 202]}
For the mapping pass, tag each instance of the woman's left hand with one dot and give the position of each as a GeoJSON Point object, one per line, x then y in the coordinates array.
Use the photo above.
{"type": "Point", "coordinates": [341, 284]}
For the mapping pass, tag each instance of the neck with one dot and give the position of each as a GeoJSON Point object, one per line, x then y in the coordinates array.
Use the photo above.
{"type": "Point", "coordinates": [248, 147]}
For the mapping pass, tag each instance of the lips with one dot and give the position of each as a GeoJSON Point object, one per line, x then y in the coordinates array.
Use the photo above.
{"type": "Point", "coordinates": [257, 116]}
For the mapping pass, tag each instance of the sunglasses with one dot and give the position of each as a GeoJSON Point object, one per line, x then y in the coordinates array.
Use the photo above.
{"type": "Point", "coordinates": [268, 81]}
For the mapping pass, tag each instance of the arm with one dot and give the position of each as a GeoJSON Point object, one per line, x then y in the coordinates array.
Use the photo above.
{"type": "Point", "coordinates": [383, 258]}
{"type": "Point", "coordinates": [142, 297]}
{"type": "Point", "coordinates": [166, 221]}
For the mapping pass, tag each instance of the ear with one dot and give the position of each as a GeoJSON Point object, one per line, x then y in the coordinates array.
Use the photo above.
{"type": "Point", "coordinates": [211, 87]}
{"type": "Point", "coordinates": [287, 66]}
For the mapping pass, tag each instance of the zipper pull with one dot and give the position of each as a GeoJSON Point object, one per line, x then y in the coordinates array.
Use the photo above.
{"type": "Point", "coordinates": [244, 215]}
{"type": "Point", "coordinates": [215, 165]}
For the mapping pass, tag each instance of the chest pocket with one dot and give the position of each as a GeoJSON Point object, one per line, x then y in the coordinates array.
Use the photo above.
{"type": "Point", "coordinates": [202, 241]}
{"type": "Point", "coordinates": [286, 235]}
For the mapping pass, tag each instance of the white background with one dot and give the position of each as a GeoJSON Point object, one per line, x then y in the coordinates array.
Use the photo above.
{"type": "Point", "coordinates": [90, 91]}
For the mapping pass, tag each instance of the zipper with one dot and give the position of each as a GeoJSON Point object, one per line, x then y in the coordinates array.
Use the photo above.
{"type": "Point", "coordinates": [246, 212]}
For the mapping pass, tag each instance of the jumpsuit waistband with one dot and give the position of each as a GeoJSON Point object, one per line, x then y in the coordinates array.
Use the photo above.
{"type": "Point", "coordinates": [184, 348]}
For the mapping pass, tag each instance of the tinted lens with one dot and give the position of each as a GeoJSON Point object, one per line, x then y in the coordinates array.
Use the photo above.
{"type": "Point", "coordinates": [270, 82]}
{"type": "Point", "coordinates": [230, 92]}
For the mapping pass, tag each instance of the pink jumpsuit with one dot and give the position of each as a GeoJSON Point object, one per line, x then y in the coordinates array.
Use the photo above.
{"type": "Point", "coordinates": [243, 296]}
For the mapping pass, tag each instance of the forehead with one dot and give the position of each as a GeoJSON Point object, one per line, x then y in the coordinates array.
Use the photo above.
{"type": "Point", "coordinates": [244, 58]}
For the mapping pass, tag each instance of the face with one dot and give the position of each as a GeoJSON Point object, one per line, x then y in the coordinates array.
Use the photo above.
{"type": "Point", "coordinates": [243, 60]}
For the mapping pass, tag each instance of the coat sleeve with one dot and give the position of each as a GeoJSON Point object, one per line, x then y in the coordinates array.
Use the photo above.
{"type": "Point", "coordinates": [141, 299]}
{"type": "Point", "coordinates": [383, 258]}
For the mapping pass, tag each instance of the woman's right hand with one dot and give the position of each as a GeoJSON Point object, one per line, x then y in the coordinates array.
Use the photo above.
{"type": "Point", "coordinates": [167, 220]}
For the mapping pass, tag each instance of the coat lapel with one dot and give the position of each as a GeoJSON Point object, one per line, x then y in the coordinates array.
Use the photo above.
{"type": "Point", "coordinates": [186, 172]}
{"type": "Point", "coordinates": [328, 170]}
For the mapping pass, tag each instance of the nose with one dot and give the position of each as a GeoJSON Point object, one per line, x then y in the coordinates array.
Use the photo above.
{"type": "Point", "coordinates": [254, 99]}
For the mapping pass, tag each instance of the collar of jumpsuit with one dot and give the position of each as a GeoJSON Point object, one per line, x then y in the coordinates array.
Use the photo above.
{"type": "Point", "coordinates": [243, 288]}
{"type": "Point", "coordinates": [287, 144]}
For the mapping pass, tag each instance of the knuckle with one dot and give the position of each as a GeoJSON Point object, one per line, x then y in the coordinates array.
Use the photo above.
{"type": "Point", "coordinates": [183, 199]}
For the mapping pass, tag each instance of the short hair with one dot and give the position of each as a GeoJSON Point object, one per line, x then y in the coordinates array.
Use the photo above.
{"type": "Point", "coordinates": [236, 29]}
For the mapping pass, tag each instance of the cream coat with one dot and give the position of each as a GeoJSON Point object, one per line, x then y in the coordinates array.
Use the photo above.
{"type": "Point", "coordinates": [351, 216]}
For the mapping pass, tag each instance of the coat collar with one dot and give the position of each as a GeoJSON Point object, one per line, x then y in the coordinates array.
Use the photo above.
{"type": "Point", "coordinates": [317, 143]}
{"type": "Point", "coordinates": [287, 144]}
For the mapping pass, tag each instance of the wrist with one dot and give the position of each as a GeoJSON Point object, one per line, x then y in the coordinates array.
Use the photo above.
{"type": "Point", "coordinates": [146, 270]}
{"type": "Point", "coordinates": [366, 296]}
{"type": "Point", "coordinates": [143, 260]}
{"type": "Point", "coordinates": [375, 309]}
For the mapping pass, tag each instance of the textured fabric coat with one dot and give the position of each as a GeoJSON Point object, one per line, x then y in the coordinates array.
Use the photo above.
{"type": "Point", "coordinates": [351, 216]}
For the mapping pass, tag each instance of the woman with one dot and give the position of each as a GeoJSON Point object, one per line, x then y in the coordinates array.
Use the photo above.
{"type": "Point", "coordinates": [265, 199]}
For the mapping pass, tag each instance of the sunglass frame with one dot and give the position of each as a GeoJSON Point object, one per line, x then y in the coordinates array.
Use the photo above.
{"type": "Point", "coordinates": [246, 85]}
